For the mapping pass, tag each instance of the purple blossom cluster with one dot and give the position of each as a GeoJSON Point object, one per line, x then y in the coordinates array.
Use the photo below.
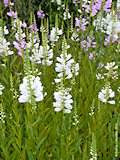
{"type": "Point", "coordinates": [108, 5]}
{"type": "Point", "coordinates": [81, 24]}
{"type": "Point", "coordinates": [88, 43]}
{"type": "Point", "coordinates": [96, 6]}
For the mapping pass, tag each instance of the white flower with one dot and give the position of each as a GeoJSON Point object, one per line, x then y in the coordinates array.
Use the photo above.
{"type": "Point", "coordinates": [118, 4]}
{"type": "Point", "coordinates": [63, 100]}
{"type": "Point", "coordinates": [111, 65]}
{"type": "Point", "coordinates": [20, 35]}
{"type": "Point", "coordinates": [42, 55]}
{"type": "Point", "coordinates": [116, 27]}
{"type": "Point", "coordinates": [108, 24]}
{"type": "Point", "coordinates": [112, 70]}
{"type": "Point", "coordinates": [75, 37]}
{"type": "Point", "coordinates": [66, 15]}
{"type": "Point", "coordinates": [66, 67]}
{"type": "Point", "coordinates": [58, 1]}
{"type": "Point", "coordinates": [4, 45]}
{"type": "Point", "coordinates": [54, 34]}
{"type": "Point", "coordinates": [106, 95]}
{"type": "Point", "coordinates": [1, 88]}
{"type": "Point", "coordinates": [2, 116]}
{"type": "Point", "coordinates": [31, 86]}
{"type": "Point", "coordinates": [99, 76]}
{"type": "Point", "coordinates": [5, 30]}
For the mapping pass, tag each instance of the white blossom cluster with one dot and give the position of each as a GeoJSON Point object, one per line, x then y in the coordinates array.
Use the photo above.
{"type": "Point", "coordinates": [19, 35]}
{"type": "Point", "coordinates": [31, 87]}
{"type": "Point", "coordinates": [111, 71]}
{"type": "Point", "coordinates": [66, 15]}
{"type": "Point", "coordinates": [4, 45]}
{"type": "Point", "coordinates": [75, 37]}
{"type": "Point", "coordinates": [42, 55]}
{"type": "Point", "coordinates": [33, 39]}
{"type": "Point", "coordinates": [57, 1]}
{"type": "Point", "coordinates": [63, 100]}
{"type": "Point", "coordinates": [55, 34]}
{"type": "Point", "coordinates": [107, 95]}
{"type": "Point", "coordinates": [109, 24]}
{"type": "Point", "coordinates": [66, 67]}
{"type": "Point", "coordinates": [1, 89]}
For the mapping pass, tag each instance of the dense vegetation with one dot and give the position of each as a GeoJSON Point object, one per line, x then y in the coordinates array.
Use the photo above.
{"type": "Point", "coordinates": [59, 80]}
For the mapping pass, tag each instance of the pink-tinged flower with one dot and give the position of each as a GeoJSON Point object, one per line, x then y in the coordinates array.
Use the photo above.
{"type": "Point", "coordinates": [20, 46]}
{"type": "Point", "coordinates": [24, 25]}
{"type": "Point", "coordinates": [83, 24]}
{"type": "Point", "coordinates": [40, 14]}
{"type": "Point", "coordinates": [77, 22]}
{"type": "Point", "coordinates": [33, 27]}
{"type": "Point", "coordinates": [91, 56]}
{"type": "Point", "coordinates": [12, 14]}
{"type": "Point", "coordinates": [6, 2]}
{"type": "Point", "coordinates": [89, 43]}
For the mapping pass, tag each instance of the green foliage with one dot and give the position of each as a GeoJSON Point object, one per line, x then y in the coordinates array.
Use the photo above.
{"type": "Point", "coordinates": [41, 133]}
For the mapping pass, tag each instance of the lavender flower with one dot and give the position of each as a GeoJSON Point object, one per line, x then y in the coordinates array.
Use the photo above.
{"type": "Point", "coordinates": [40, 14]}
{"type": "Point", "coordinates": [96, 6]}
{"type": "Point", "coordinates": [108, 5]}
{"type": "Point", "coordinates": [77, 22]}
{"type": "Point", "coordinates": [12, 14]}
{"type": "Point", "coordinates": [91, 56]}
{"type": "Point", "coordinates": [6, 2]}
{"type": "Point", "coordinates": [81, 24]}
{"type": "Point", "coordinates": [20, 46]}
{"type": "Point", "coordinates": [89, 43]}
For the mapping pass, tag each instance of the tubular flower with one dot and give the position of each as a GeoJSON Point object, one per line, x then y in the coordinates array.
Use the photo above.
{"type": "Point", "coordinates": [66, 67]}
{"type": "Point", "coordinates": [106, 95]}
{"type": "Point", "coordinates": [31, 87]}
{"type": "Point", "coordinates": [63, 100]}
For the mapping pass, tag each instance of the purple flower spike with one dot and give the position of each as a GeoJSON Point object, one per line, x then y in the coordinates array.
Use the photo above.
{"type": "Point", "coordinates": [108, 5]}
{"type": "Point", "coordinates": [6, 2]}
{"type": "Point", "coordinates": [96, 6]}
{"type": "Point", "coordinates": [40, 14]}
